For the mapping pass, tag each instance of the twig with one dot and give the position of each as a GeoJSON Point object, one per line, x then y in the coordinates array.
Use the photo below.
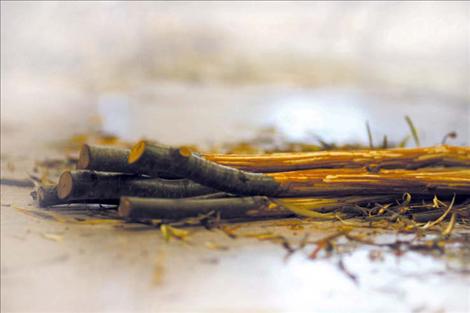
{"type": "Point", "coordinates": [369, 135]}
{"type": "Point", "coordinates": [151, 158]}
{"type": "Point", "coordinates": [414, 132]}
{"type": "Point", "coordinates": [46, 195]}
{"type": "Point", "coordinates": [88, 185]}
{"type": "Point", "coordinates": [410, 158]}
{"type": "Point", "coordinates": [147, 208]}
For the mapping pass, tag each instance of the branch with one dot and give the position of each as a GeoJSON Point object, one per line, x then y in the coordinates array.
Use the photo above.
{"type": "Point", "coordinates": [236, 207]}
{"type": "Point", "coordinates": [151, 158]}
{"type": "Point", "coordinates": [89, 185]}
{"type": "Point", "coordinates": [145, 208]}
{"type": "Point", "coordinates": [46, 195]}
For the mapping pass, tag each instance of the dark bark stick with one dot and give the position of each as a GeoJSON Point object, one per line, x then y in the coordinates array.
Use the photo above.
{"type": "Point", "coordinates": [110, 159]}
{"type": "Point", "coordinates": [46, 195]}
{"type": "Point", "coordinates": [236, 207]}
{"type": "Point", "coordinates": [146, 208]}
{"type": "Point", "coordinates": [89, 185]}
{"type": "Point", "coordinates": [151, 158]}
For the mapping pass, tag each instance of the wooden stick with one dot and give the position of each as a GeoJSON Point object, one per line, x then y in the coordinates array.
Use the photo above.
{"type": "Point", "coordinates": [215, 195]}
{"type": "Point", "coordinates": [405, 158]}
{"type": "Point", "coordinates": [146, 208]}
{"type": "Point", "coordinates": [46, 195]}
{"type": "Point", "coordinates": [236, 207]}
{"type": "Point", "coordinates": [150, 158]}
{"type": "Point", "coordinates": [89, 185]}
{"type": "Point", "coordinates": [109, 159]}
{"type": "Point", "coordinates": [316, 182]}
{"type": "Point", "coordinates": [343, 182]}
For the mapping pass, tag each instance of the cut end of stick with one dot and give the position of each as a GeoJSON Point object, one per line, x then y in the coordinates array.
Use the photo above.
{"type": "Point", "coordinates": [185, 151]}
{"type": "Point", "coordinates": [124, 209]}
{"type": "Point", "coordinates": [137, 151]}
{"type": "Point", "coordinates": [84, 158]}
{"type": "Point", "coordinates": [64, 188]}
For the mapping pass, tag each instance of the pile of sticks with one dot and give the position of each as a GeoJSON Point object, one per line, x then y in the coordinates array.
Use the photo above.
{"type": "Point", "coordinates": [153, 181]}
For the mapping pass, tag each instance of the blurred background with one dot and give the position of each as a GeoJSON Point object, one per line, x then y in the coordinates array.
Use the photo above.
{"type": "Point", "coordinates": [178, 71]}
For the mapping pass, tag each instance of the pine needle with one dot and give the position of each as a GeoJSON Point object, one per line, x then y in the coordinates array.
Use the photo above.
{"type": "Point", "coordinates": [173, 232]}
{"type": "Point", "coordinates": [404, 141]}
{"type": "Point", "coordinates": [385, 142]}
{"type": "Point", "coordinates": [369, 135]}
{"type": "Point", "coordinates": [414, 132]}
{"type": "Point", "coordinates": [307, 209]}
{"type": "Point", "coordinates": [453, 219]}
{"type": "Point", "coordinates": [441, 218]}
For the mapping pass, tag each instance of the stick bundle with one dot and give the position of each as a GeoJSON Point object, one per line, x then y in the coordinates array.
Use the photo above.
{"type": "Point", "coordinates": [268, 185]}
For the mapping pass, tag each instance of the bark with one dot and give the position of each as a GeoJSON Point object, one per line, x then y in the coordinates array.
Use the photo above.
{"type": "Point", "coordinates": [46, 196]}
{"type": "Point", "coordinates": [236, 207]}
{"type": "Point", "coordinates": [109, 159]}
{"type": "Point", "coordinates": [146, 208]}
{"type": "Point", "coordinates": [89, 185]}
{"type": "Point", "coordinates": [151, 158]}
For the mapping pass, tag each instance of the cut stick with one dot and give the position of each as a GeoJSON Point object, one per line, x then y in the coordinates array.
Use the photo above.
{"type": "Point", "coordinates": [316, 182]}
{"type": "Point", "coordinates": [46, 195]}
{"type": "Point", "coordinates": [146, 208]}
{"type": "Point", "coordinates": [151, 158]}
{"type": "Point", "coordinates": [89, 185]}
{"type": "Point", "coordinates": [235, 207]}
{"type": "Point", "coordinates": [404, 158]}
{"type": "Point", "coordinates": [109, 159]}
